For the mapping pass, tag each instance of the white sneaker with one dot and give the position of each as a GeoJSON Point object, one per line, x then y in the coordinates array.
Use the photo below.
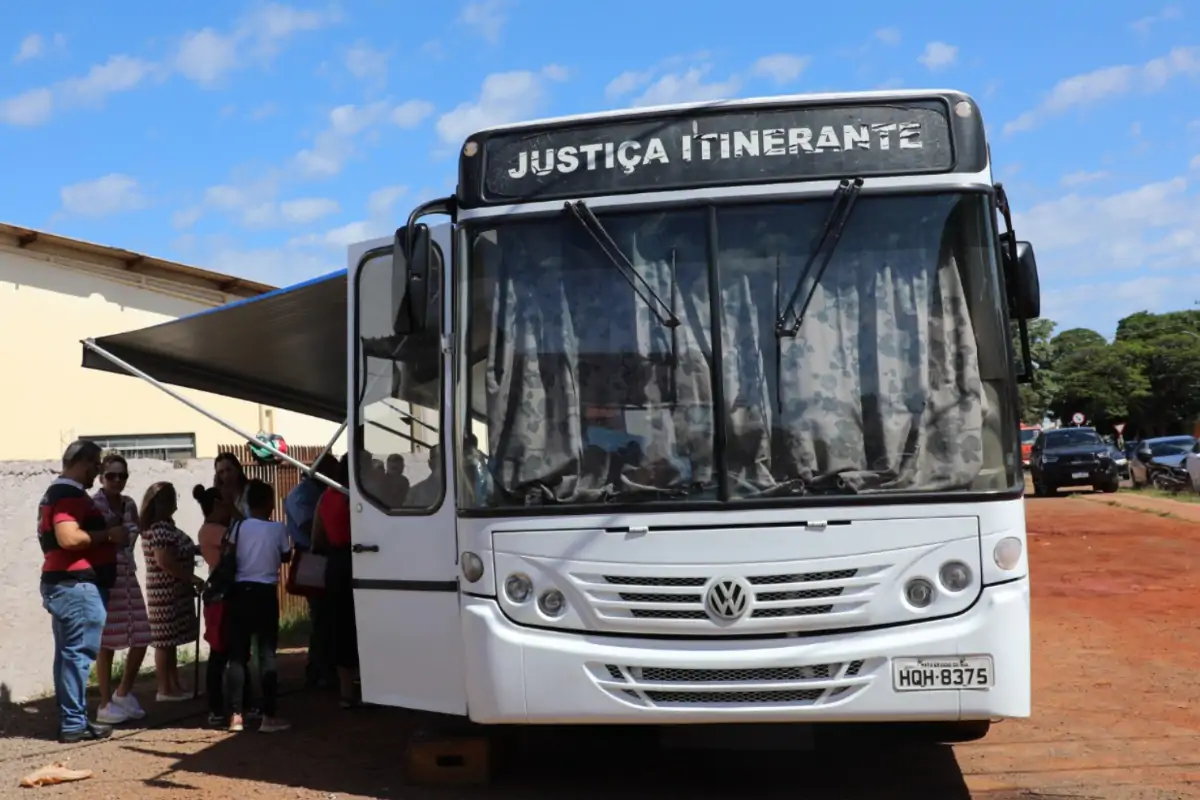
{"type": "Point", "coordinates": [111, 714]}
{"type": "Point", "coordinates": [171, 698]}
{"type": "Point", "coordinates": [130, 705]}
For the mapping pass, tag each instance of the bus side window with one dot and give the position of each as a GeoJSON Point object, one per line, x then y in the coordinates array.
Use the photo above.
{"type": "Point", "coordinates": [399, 415]}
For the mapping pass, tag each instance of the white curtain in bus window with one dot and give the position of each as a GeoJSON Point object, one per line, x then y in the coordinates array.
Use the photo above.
{"type": "Point", "coordinates": [589, 393]}
{"type": "Point", "coordinates": [881, 384]}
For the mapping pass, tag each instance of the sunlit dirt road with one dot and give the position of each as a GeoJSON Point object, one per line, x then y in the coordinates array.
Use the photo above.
{"type": "Point", "coordinates": [1116, 712]}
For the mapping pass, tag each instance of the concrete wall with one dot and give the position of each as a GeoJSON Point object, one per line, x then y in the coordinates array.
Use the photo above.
{"type": "Point", "coordinates": [26, 645]}
{"type": "Point", "coordinates": [47, 306]}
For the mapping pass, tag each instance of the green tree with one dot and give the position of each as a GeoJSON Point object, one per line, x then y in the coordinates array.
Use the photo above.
{"type": "Point", "coordinates": [1036, 396]}
{"type": "Point", "coordinates": [1166, 348]}
{"type": "Point", "coordinates": [1100, 380]}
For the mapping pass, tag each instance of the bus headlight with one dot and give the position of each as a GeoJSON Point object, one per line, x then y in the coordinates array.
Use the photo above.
{"type": "Point", "coordinates": [518, 587]}
{"type": "Point", "coordinates": [552, 603]}
{"type": "Point", "coordinates": [1007, 552]}
{"type": "Point", "coordinates": [472, 566]}
{"type": "Point", "coordinates": [919, 593]}
{"type": "Point", "coordinates": [954, 576]}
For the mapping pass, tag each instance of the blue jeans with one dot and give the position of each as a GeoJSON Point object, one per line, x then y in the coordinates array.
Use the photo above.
{"type": "Point", "coordinates": [77, 616]}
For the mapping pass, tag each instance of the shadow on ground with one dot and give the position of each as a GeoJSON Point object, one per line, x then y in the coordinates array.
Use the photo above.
{"type": "Point", "coordinates": [360, 752]}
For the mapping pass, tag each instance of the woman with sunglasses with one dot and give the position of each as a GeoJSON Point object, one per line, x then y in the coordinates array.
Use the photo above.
{"type": "Point", "coordinates": [127, 626]}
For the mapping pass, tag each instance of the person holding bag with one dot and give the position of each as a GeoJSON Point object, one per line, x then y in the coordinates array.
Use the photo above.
{"type": "Point", "coordinates": [259, 546]}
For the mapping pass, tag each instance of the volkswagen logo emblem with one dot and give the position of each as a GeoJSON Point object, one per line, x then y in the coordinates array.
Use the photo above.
{"type": "Point", "coordinates": [727, 599]}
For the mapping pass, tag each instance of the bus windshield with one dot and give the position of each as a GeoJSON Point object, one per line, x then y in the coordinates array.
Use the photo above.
{"type": "Point", "coordinates": [898, 379]}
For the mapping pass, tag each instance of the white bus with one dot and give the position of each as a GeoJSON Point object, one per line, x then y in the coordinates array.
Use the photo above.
{"type": "Point", "coordinates": [709, 414]}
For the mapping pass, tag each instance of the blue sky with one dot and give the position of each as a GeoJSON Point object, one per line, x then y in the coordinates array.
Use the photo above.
{"type": "Point", "coordinates": [259, 138]}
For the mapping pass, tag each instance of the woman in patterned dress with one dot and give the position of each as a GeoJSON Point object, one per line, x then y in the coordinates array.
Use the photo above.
{"type": "Point", "coordinates": [171, 585]}
{"type": "Point", "coordinates": [127, 626]}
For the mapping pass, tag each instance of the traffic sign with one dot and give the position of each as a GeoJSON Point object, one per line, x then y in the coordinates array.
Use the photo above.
{"type": "Point", "coordinates": [1119, 427]}
{"type": "Point", "coordinates": [1077, 418]}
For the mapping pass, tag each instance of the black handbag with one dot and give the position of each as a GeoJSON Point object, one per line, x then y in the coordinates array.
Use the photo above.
{"type": "Point", "coordinates": [220, 581]}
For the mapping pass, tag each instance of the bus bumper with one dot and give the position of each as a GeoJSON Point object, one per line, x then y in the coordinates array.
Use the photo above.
{"type": "Point", "coordinates": [524, 675]}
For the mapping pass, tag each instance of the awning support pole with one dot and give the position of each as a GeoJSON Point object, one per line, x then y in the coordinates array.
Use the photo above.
{"type": "Point", "coordinates": [90, 344]}
{"type": "Point", "coordinates": [336, 435]}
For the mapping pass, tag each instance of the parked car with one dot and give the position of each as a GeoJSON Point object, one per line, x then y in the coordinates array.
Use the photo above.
{"type": "Point", "coordinates": [1028, 435]}
{"type": "Point", "coordinates": [1162, 454]}
{"type": "Point", "coordinates": [1192, 463]}
{"type": "Point", "coordinates": [1121, 460]}
{"type": "Point", "coordinates": [1072, 457]}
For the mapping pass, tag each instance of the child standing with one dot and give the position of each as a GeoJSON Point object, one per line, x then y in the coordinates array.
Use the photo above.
{"type": "Point", "coordinates": [262, 545]}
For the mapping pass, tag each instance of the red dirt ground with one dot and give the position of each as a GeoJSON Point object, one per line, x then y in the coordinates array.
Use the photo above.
{"type": "Point", "coordinates": [1116, 711]}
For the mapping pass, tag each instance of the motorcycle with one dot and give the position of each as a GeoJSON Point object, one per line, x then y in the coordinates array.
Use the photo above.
{"type": "Point", "coordinates": [1168, 479]}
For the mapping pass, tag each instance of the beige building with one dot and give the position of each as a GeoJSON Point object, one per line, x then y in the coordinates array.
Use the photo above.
{"type": "Point", "coordinates": [55, 292]}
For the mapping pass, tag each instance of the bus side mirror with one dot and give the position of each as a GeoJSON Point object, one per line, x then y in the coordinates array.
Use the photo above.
{"type": "Point", "coordinates": [412, 253]}
{"type": "Point", "coordinates": [1025, 290]}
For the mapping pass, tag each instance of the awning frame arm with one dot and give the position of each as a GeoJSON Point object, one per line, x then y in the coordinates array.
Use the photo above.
{"type": "Point", "coordinates": [90, 344]}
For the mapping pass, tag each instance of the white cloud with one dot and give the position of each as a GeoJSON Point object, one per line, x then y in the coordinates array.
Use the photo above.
{"type": "Point", "coordinates": [1100, 305]}
{"type": "Point", "coordinates": [30, 108]}
{"type": "Point", "coordinates": [1194, 163]}
{"type": "Point", "coordinates": [366, 63]}
{"type": "Point", "coordinates": [1082, 177]}
{"type": "Point", "coordinates": [186, 218]}
{"type": "Point", "coordinates": [337, 142]}
{"type": "Point", "coordinates": [1107, 83]}
{"type": "Point", "coordinates": [307, 209]}
{"type": "Point", "coordinates": [31, 47]}
{"type": "Point", "coordinates": [278, 266]}
{"type": "Point", "coordinates": [504, 97]}
{"type": "Point", "coordinates": [411, 113]}
{"type": "Point", "coordinates": [1115, 254]}
{"type": "Point", "coordinates": [689, 86]}
{"type": "Point", "coordinates": [781, 67]}
{"type": "Point", "coordinates": [112, 194]}
{"type": "Point", "coordinates": [263, 111]}
{"type": "Point", "coordinates": [1156, 225]}
{"type": "Point", "coordinates": [888, 35]}
{"type": "Point", "coordinates": [254, 206]}
{"type": "Point", "coordinates": [205, 56]}
{"type": "Point", "coordinates": [485, 18]}
{"type": "Point", "coordinates": [380, 221]}
{"type": "Point", "coordinates": [117, 74]}
{"type": "Point", "coordinates": [627, 82]}
{"type": "Point", "coordinates": [938, 56]}
{"type": "Point", "coordinates": [1169, 14]}
{"type": "Point", "coordinates": [269, 27]}
{"type": "Point", "coordinates": [35, 46]}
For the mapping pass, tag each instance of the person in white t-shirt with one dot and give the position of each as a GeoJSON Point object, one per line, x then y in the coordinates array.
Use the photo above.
{"type": "Point", "coordinates": [262, 545]}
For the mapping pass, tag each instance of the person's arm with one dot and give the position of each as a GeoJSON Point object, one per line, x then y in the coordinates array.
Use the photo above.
{"type": "Point", "coordinates": [285, 544]}
{"type": "Point", "coordinates": [68, 517]}
{"type": "Point", "coordinates": [167, 560]}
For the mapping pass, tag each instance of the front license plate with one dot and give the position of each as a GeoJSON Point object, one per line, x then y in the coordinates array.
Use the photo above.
{"type": "Point", "coordinates": [1079, 475]}
{"type": "Point", "coordinates": [949, 672]}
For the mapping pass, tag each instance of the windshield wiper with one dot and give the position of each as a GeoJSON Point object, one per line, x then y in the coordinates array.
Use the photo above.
{"type": "Point", "coordinates": [844, 198]}
{"type": "Point", "coordinates": [584, 216]}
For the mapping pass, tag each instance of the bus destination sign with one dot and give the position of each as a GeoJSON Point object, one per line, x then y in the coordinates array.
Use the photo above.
{"type": "Point", "coordinates": [714, 149]}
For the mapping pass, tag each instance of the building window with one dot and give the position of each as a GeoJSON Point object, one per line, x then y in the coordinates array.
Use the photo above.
{"type": "Point", "coordinates": [163, 446]}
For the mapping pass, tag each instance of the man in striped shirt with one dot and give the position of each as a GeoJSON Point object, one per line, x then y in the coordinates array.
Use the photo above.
{"type": "Point", "coordinates": [78, 567]}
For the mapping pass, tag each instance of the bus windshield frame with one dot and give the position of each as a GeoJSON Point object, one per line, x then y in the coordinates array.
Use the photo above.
{"type": "Point", "coordinates": [631, 403]}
